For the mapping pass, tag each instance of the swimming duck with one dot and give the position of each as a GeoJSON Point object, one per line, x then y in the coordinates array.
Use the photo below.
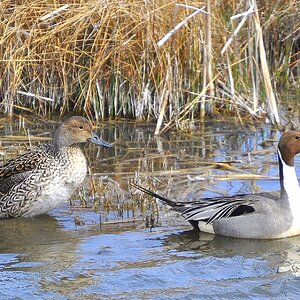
{"type": "Point", "coordinates": [44, 178]}
{"type": "Point", "coordinates": [253, 216]}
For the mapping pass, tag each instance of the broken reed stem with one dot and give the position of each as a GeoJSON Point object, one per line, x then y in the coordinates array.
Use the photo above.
{"type": "Point", "coordinates": [265, 71]}
{"type": "Point", "coordinates": [179, 25]}
{"type": "Point", "coordinates": [233, 177]}
{"type": "Point", "coordinates": [253, 58]}
{"type": "Point", "coordinates": [238, 28]}
{"type": "Point", "coordinates": [165, 98]}
{"type": "Point", "coordinates": [208, 62]}
{"type": "Point", "coordinates": [53, 13]}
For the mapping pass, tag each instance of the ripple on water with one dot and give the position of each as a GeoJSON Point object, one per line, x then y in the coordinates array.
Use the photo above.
{"type": "Point", "coordinates": [51, 257]}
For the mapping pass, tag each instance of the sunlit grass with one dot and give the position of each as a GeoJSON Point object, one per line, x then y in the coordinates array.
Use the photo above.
{"type": "Point", "coordinates": [102, 58]}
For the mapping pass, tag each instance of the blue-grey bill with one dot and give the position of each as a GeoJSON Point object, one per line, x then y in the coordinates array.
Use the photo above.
{"type": "Point", "coordinates": [96, 140]}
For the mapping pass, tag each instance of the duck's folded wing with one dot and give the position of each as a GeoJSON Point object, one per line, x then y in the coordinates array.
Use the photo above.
{"type": "Point", "coordinates": [211, 209]}
{"type": "Point", "coordinates": [15, 170]}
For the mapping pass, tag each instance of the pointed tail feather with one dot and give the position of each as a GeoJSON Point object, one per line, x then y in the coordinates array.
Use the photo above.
{"type": "Point", "coordinates": [171, 203]}
{"type": "Point", "coordinates": [207, 209]}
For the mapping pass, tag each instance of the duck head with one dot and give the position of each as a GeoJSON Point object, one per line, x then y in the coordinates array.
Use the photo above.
{"type": "Point", "coordinates": [75, 130]}
{"type": "Point", "coordinates": [289, 146]}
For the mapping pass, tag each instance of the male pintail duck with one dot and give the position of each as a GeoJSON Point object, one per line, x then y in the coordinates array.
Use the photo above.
{"type": "Point", "coordinates": [43, 178]}
{"type": "Point", "coordinates": [253, 216]}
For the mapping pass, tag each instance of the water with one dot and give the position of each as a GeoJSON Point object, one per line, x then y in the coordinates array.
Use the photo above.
{"type": "Point", "coordinates": [56, 257]}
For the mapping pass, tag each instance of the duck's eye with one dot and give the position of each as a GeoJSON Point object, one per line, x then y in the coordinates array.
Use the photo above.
{"type": "Point", "coordinates": [297, 137]}
{"type": "Point", "coordinates": [80, 127]}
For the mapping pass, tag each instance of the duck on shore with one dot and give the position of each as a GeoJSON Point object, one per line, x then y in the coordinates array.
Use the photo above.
{"type": "Point", "coordinates": [45, 177]}
{"type": "Point", "coordinates": [253, 216]}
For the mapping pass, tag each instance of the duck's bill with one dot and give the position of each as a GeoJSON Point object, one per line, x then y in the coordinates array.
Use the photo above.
{"type": "Point", "coordinates": [96, 140]}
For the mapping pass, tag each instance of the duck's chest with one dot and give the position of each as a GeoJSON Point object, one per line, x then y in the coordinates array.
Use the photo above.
{"type": "Point", "coordinates": [72, 166]}
{"type": "Point", "coordinates": [56, 180]}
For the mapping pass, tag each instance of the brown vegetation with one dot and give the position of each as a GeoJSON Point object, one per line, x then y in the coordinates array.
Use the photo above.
{"type": "Point", "coordinates": [103, 57]}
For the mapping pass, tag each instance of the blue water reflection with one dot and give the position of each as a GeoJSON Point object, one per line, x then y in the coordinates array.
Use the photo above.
{"type": "Point", "coordinates": [52, 257]}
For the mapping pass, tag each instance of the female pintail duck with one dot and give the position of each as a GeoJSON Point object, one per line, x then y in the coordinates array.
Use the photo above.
{"type": "Point", "coordinates": [255, 216]}
{"type": "Point", "coordinates": [43, 178]}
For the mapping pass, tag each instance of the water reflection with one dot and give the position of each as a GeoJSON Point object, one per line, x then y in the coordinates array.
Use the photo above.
{"type": "Point", "coordinates": [25, 234]}
{"type": "Point", "coordinates": [211, 245]}
{"type": "Point", "coordinates": [31, 249]}
{"type": "Point", "coordinates": [40, 256]}
{"type": "Point", "coordinates": [50, 257]}
{"type": "Point", "coordinates": [53, 262]}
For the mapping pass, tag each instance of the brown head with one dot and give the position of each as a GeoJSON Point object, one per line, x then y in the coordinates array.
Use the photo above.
{"type": "Point", "coordinates": [76, 130]}
{"type": "Point", "coordinates": [289, 146]}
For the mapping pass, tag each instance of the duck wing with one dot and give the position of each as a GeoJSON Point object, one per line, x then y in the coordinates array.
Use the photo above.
{"type": "Point", "coordinates": [211, 209]}
{"type": "Point", "coordinates": [17, 169]}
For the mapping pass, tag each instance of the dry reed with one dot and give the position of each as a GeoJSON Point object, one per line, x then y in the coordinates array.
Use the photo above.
{"type": "Point", "coordinates": [102, 58]}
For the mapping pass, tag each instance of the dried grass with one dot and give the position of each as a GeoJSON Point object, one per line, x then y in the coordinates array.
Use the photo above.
{"type": "Point", "coordinates": [103, 58]}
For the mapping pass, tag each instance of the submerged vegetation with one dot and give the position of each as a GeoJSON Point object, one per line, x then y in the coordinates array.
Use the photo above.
{"type": "Point", "coordinates": [171, 61]}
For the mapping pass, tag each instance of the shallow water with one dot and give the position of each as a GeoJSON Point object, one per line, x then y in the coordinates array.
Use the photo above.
{"type": "Point", "coordinates": [111, 254]}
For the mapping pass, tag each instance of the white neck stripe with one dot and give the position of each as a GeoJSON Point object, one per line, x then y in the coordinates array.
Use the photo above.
{"type": "Point", "coordinates": [291, 186]}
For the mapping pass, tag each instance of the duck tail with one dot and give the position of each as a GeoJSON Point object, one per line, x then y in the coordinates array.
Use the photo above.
{"type": "Point", "coordinates": [150, 193]}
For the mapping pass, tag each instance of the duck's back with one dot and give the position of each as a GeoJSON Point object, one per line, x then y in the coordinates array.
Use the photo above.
{"type": "Point", "coordinates": [17, 169]}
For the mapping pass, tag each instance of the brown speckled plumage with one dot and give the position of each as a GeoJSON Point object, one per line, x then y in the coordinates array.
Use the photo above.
{"type": "Point", "coordinates": [42, 179]}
